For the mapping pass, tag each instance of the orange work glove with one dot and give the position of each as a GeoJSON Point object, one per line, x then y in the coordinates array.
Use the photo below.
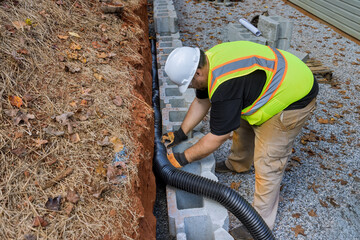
{"type": "Point", "coordinates": [178, 160]}
{"type": "Point", "coordinates": [172, 139]}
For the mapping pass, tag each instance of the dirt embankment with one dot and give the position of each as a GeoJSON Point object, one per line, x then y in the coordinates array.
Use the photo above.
{"type": "Point", "coordinates": [76, 126]}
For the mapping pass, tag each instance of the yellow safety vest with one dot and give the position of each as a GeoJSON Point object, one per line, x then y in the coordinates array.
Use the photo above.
{"type": "Point", "coordinates": [288, 79]}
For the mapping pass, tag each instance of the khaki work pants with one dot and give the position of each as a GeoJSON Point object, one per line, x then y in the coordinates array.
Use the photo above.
{"type": "Point", "coordinates": [268, 146]}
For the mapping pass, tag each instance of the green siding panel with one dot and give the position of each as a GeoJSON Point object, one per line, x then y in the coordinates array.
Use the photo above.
{"type": "Point", "coordinates": [344, 14]}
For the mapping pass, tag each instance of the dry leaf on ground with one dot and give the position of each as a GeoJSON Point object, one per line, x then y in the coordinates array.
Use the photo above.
{"type": "Point", "coordinates": [68, 209]}
{"type": "Point", "coordinates": [102, 55]}
{"type": "Point", "coordinates": [100, 169]}
{"type": "Point", "coordinates": [312, 213]}
{"type": "Point", "coordinates": [74, 34]}
{"type": "Point", "coordinates": [39, 221]}
{"type": "Point", "coordinates": [118, 145]}
{"type": "Point", "coordinates": [112, 173]}
{"type": "Point", "coordinates": [75, 46]}
{"type": "Point", "coordinates": [104, 142]}
{"type": "Point", "coordinates": [15, 101]}
{"type": "Point", "coordinates": [49, 130]}
{"type": "Point", "coordinates": [118, 101]}
{"type": "Point", "coordinates": [19, 24]}
{"type": "Point", "coordinates": [63, 119]}
{"type": "Point", "coordinates": [53, 203]}
{"type": "Point", "coordinates": [75, 138]}
{"type": "Point", "coordinates": [324, 204]}
{"type": "Point", "coordinates": [63, 37]}
{"type": "Point", "coordinates": [72, 196]}
{"type": "Point", "coordinates": [40, 142]}
{"type": "Point", "coordinates": [25, 117]}
{"type": "Point", "coordinates": [298, 230]}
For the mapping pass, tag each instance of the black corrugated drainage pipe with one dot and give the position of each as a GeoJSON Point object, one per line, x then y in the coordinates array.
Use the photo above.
{"type": "Point", "coordinates": [192, 183]}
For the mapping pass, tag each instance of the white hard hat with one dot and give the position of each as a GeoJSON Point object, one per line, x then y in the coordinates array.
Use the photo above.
{"type": "Point", "coordinates": [181, 66]}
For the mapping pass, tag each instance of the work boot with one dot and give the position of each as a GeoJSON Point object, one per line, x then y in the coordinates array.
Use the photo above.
{"type": "Point", "coordinates": [221, 167]}
{"type": "Point", "coordinates": [241, 233]}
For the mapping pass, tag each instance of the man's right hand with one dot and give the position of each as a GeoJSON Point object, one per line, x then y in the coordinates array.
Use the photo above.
{"type": "Point", "coordinates": [172, 139]}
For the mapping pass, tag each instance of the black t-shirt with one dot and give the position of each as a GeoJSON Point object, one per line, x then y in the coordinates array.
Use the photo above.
{"type": "Point", "coordinates": [238, 93]}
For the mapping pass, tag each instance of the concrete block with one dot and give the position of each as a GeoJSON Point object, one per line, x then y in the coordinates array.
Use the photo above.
{"type": "Point", "coordinates": [165, 17]}
{"type": "Point", "coordinates": [269, 28]}
{"type": "Point", "coordinates": [221, 234]}
{"type": "Point", "coordinates": [172, 92]}
{"type": "Point", "coordinates": [237, 32]}
{"type": "Point", "coordinates": [283, 43]}
{"type": "Point", "coordinates": [301, 55]}
{"type": "Point", "coordinates": [196, 231]}
{"type": "Point", "coordinates": [277, 30]}
{"type": "Point", "coordinates": [177, 102]}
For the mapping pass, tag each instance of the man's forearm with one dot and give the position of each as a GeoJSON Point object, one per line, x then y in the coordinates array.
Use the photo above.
{"type": "Point", "coordinates": [197, 111]}
{"type": "Point", "coordinates": [205, 146]}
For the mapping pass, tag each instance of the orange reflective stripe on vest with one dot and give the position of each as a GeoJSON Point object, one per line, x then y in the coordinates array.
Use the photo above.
{"type": "Point", "coordinates": [277, 66]}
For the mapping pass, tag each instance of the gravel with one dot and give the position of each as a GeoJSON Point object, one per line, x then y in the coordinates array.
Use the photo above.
{"type": "Point", "coordinates": [326, 181]}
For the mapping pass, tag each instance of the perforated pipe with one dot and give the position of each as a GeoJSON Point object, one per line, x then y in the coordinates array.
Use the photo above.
{"type": "Point", "coordinates": [192, 183]}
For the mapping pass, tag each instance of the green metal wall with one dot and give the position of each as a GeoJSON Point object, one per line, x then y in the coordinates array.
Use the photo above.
{"type": "Point", "coordinates": [343, 14]}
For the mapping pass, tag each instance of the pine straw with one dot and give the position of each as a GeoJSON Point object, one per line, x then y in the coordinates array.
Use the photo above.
{"type": "Point", "coordinates": [39, 78]}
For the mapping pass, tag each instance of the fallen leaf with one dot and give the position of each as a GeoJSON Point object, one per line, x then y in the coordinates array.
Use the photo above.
{"type": "Point", "coordinates": [312, 213]}
{"type": "Point", "coordinates": [118, 101]}
{"type": "Point", "coordinates": [18, 135]}
{"type": "Point", "coordinates": [100, 169]}
{"type": "Point", "coordinates": [11, 112]}
{"type": "Point", "coordinates": [72, 55]}
{"type": "Point", "coordinates": [53, 203]}
{"type": "Point", "coordinates": [19, 24]}
{"type": "Point", "coordinates": [235, 185]}
{"type": "Point", "coordinates": [49, 130]}
{"type": "Point", "coordinates": [104, 142]}
{"type": "Point", "coordinates": [63, 37]}
{"type": "Point", "coordinates": [102, 55]}
{"type": "Point", "coordinates": [324, 204]}
{"type": "Point", "coordinates": [74, 34]}
{"type": "Point", "coordinates": [39, 221]}
{"type": "Point", "coordinates": [40, 142]}
{"type": "Point", "coordinates": [84, 102]}
{"type": "Point", "coordinates": [19, 151]}
{"type": "Point", "coordinates": [64, 118]}
{"type": "Point", "coordinates": [25, 117]}
{"type": "Point", "coordinates": [118, 145]}
{"type": "Point", "coordinates": [72, 69]}
{"type": "Point", "coordinates": [112, 173]}
{"type": "Point", "coordinates": [95, 45]}
{"type": "Point", "coordinates": [296, 215]}
{"type": "Point", "coordinates": [298, 230]}
{"type": "Point", "coordinates": [332, 202]}
{"type": "Point", "coordinates": [111, 54]}
{"type": "Point", "coordinates": [112, 213]}
{"type": "Point", "coordinates": [75, 138]}
{"type": "Point", "coordinates": [323, 121]}
{"type": "Point", "coordinates": [75, 46]}
{"type": "Point", "coordinates": [15, 101]}
{"type": "Point", "coordinates": [68, 209]}
{"type": "Point", "coordinates": [72, 196]}
{"type": "Point", "coordinates": [98, 76]}
{"type": "Point", "coordinates": [23, 51]}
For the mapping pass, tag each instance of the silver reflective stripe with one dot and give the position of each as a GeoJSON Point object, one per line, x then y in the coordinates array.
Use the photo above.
{"type": "Point", "coordinates": [278, 67]}
{"type": "Point", "coordinates": [238, 65]}
{"type": "Point", "coordinates": [274, 84]}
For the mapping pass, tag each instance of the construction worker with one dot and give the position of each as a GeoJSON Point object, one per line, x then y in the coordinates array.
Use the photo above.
{"type": "Point", "coordinates": [261, 94]}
